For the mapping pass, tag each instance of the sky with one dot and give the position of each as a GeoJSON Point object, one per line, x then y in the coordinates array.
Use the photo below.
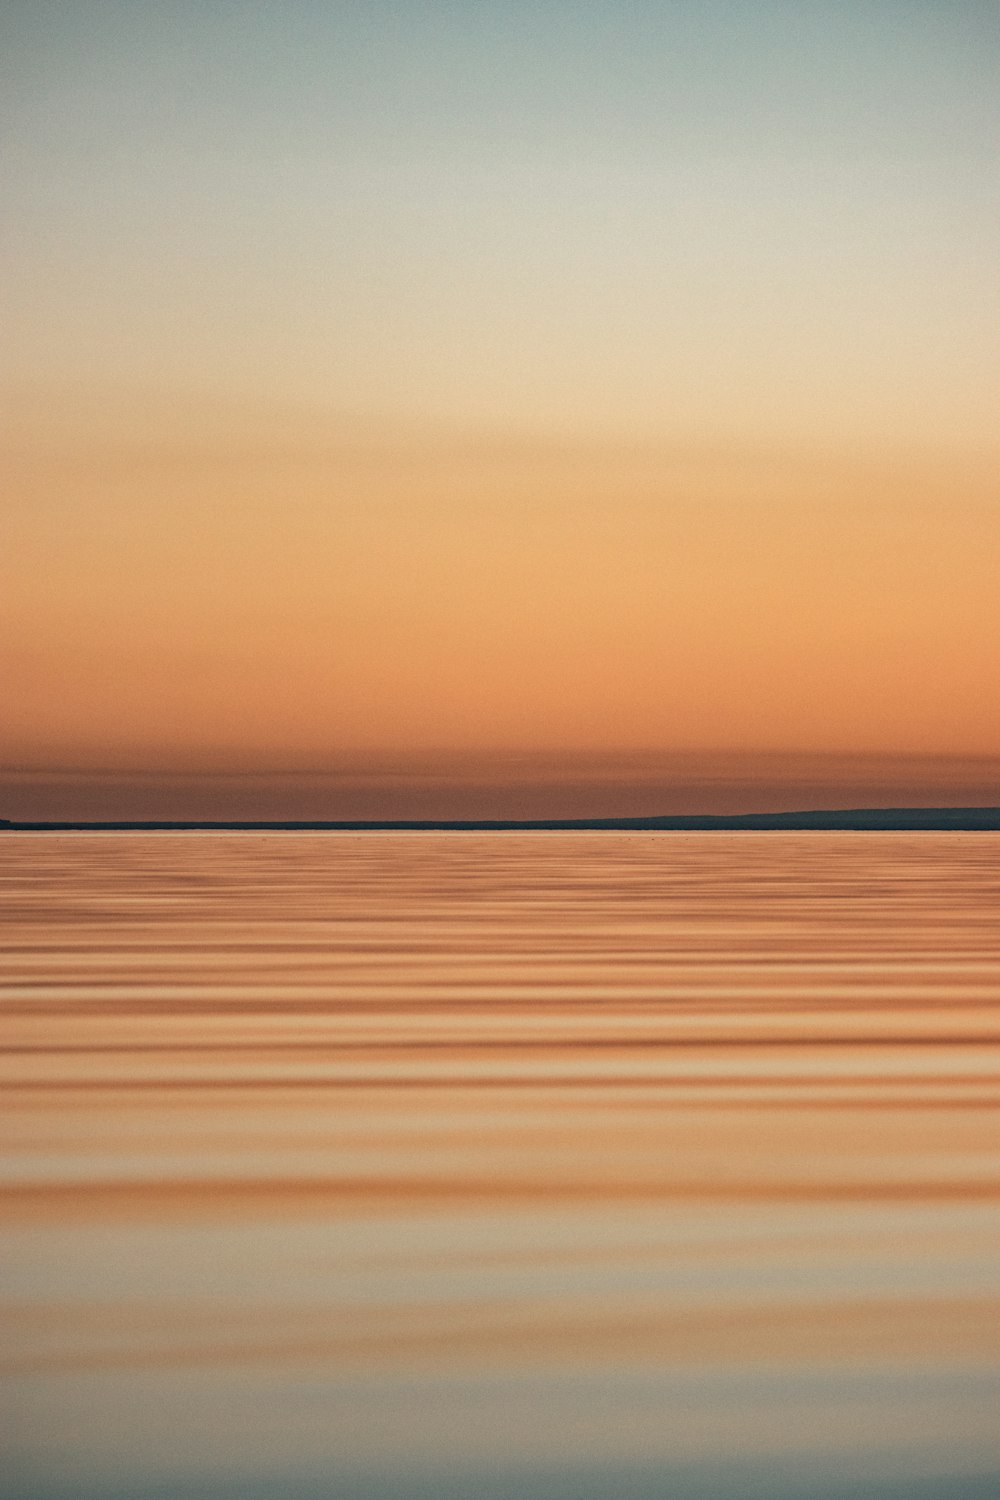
{"type": "Point", "coordinates": [478, 408]}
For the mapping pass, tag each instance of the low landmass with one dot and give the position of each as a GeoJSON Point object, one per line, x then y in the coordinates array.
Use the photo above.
{"type": "Point", "coordinates": [861, 819]}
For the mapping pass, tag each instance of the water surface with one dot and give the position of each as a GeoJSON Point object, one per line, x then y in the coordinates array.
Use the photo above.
{"type": "Point", "coordinates": [545, 1165]}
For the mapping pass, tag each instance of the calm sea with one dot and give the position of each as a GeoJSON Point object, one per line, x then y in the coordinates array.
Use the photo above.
{"type": "Point", "coordinates": [557, 1167]}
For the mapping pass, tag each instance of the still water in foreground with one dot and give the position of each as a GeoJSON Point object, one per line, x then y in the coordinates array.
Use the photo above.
{"type": "Point", "coordinates": [385, 1167]}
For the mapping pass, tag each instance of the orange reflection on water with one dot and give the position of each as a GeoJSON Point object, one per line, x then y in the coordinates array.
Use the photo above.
{"type": "Point", "coordinates": [498, 1103]}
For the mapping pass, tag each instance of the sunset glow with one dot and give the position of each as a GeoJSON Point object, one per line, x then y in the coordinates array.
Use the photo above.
{"type": "Point", "coordinates": [436, 384]}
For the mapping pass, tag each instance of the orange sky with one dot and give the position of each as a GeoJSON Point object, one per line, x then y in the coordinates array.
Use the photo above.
{"type": "Point", "coordinates": [514, 430]}
{"type": "Point", "coordinates": [279, 595]}
{"type": "Point", "coordinates": [294, 593]}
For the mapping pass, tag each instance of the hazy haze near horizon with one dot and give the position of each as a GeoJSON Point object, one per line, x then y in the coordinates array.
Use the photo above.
{"type": "Point", "coordinates": [528, 785]}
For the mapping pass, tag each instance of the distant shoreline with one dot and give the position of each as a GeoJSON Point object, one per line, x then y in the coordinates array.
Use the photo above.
{"type": "Point", "coordinates": [865, 820]}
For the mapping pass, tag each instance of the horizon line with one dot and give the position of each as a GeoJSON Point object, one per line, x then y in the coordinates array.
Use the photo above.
{"type": "Point", "coordinates": [864, 819]}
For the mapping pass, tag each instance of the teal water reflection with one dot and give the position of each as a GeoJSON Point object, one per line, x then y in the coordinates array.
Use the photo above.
{"type": "Point", "coordinates": [578, 1166]}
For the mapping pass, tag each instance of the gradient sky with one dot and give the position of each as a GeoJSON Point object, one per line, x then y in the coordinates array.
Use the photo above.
{"type": "Point", "coordinates": [419, 385]}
